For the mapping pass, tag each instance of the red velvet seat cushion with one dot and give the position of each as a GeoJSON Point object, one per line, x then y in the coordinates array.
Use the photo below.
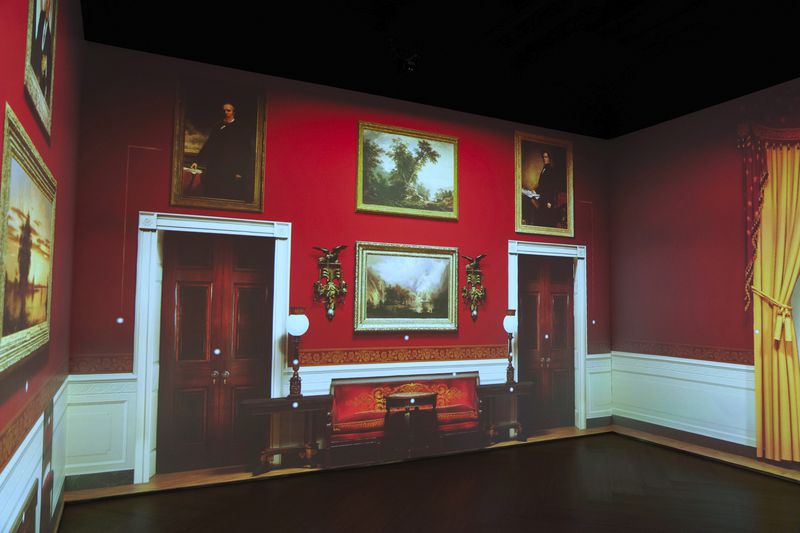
{"type": "Point", "coordinates": [456, 413]}
{"type": "Point", "coordinates": [458, 426]}
{"type": "Point", "coordinates": [344, 437]}
{"type": "Point", "coordinates": [360, 422]}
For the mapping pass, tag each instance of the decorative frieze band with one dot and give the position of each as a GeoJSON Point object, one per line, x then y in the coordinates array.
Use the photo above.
{"type": "Point", "coordinates": [18, 428]}
{"type": "Point", "coordinates": [101, 364]}
{"type": "Point", "coordinates": [688, 351]}
{"type": "Point", "coordinates": [357, 356]}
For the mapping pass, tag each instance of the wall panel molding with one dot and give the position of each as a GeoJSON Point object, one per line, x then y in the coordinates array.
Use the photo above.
{"type": "Point", "coordinates": [703, 397]}
{"type": "Point", "coordinates": [401, 354]}
{"type": "Point", "coordinates": [599, 397]}
{"type": "Point", "coordinates": [101, 416]}
{"type": "Point", "coordinates": [317, 379]}
{"type": "Point", "coordinates": [23, 468]}
{"type": "Point", "coordinates": [17, 430]}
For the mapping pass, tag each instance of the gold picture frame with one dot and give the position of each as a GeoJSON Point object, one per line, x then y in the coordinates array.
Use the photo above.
{"type": "Point", "coordinates": [406, 172]}
{"type": "Point", "coordinates": [544, 202]}
{"type": "Point", "coordinates": [28, 200]}
{"type": "Point", "coordinates": [40, 57]}
{"type": "Point", "coordinates": [406, 287]}
{"type": "Point", "coordinates": [218, 163]}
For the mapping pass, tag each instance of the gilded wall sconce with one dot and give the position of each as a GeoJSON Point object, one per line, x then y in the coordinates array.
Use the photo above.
{"type": "Point", "coordinates": [474, 293]}
{"type": "Point", "coordinates": [330, 286]}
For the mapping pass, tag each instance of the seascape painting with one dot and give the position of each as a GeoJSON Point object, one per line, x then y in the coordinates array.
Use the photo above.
{"type": "Point", "coordinates": [27, 254]}
{"type": "Point", "coordinates": [26, 247]}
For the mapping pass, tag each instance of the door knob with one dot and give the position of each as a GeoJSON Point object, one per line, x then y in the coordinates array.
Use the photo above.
{"type": "Point", "coordinates": [217, 351]}
{"type": "Point", "coordinates": [225, 376]}
{"type": "Point", "coordinates": [214, 376]}
{"type": "Point", "coordinates": [546, 336]}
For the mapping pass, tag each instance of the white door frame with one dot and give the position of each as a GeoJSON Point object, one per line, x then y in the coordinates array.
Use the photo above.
{"type": "Point", "coordinates": [147, 315]}
{"type": "Point", "coordinates": [579, 309]}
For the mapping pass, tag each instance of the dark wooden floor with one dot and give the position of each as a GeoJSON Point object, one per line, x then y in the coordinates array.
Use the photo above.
{"type": "Point", "coordinates": [599, 483]}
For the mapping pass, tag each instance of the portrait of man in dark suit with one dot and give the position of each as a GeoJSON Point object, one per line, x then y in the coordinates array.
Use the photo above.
{"type": "Point", "coordinates": [42, 46]}
{"type": "Point", "coordinates": [40, 56]}
{"type": "Point", "coordinates": [544, 185]}
{"type": "Point", "coordinates": [218, 152]}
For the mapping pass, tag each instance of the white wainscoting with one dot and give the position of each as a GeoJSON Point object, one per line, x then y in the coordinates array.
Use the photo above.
{"type": "Point", "coordinates": [101, 418]}
{"type": "Point", "coordinates": [599, 398]}
{"type": "Point", "coordinates": [25, 467]}
{"type": "Point", "coordinates": [704, 397]}
{"type": "Point", "coordinates": [316, 380]}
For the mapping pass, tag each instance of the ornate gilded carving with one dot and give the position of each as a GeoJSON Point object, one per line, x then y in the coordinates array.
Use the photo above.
{"type": "Point", "coordinates": [330, 286]}
{"type": "Point", "coordinates": [474, 293]}
{"type": "Point", "coordinates": [376, 399]}
{"type": "Point", "coordinates": [350, 356]}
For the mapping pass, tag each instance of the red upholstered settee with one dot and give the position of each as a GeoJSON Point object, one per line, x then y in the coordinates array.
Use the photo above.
{"type": "Point", "coordinates": [358, 407]}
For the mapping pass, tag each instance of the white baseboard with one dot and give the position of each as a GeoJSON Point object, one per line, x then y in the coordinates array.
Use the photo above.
{"type": "Point", "coordinates": [316, 380]}
{"type": "Point", "coordinates": [100, 416]}
{"type": "Point", "coordinates": [24, 469]}
{"type": "Point", "coordinates": [703, 397]}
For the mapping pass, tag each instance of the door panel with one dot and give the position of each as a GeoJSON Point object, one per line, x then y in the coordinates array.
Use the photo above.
{"type": "Point", "coordinates": [546, 339]}
{"type": "Point", "coordinates": [193, 316]}
{"type": "Point", "coordinates": [250, 315]}
{"type": "Point", "coordinates": [215, 345]}
{"type": "Point", "coordinates": [191, 415]}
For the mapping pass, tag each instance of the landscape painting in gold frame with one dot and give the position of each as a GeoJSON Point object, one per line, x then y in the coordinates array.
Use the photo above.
{"type": "Point", "coordinates": [406, 172]}
{"type": "Point", "coordinates": [543, 179]}
{"type": "Point", "coordinates": [26, 247]}
{"type": "Point", "coordinates": [405, 287]}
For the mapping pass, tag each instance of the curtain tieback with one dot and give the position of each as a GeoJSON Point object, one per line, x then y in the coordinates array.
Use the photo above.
{"type": "Point", "coordinates": [783, 320]}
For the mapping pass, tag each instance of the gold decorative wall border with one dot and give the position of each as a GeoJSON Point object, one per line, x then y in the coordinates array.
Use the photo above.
{"type": "Point", "coordinates": [688, 351]}
{"type": "Point", "coordinates": [19, 427]}
{"type": "Point", "coordinates": [101, 364]}
{"type": "Point", "coordinates": [359, 356]}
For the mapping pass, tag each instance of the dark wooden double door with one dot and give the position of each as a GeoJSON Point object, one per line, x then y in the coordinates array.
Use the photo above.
{"type": "Point", "coordinates": [546, 340]}
{"type": "Point", "coordinates": [216, 332]}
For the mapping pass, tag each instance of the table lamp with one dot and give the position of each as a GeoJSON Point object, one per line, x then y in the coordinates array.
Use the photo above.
{"type": "Point", "coordinates": [510, 325]}
{"type": "Point", "coordinates": [296, 326]}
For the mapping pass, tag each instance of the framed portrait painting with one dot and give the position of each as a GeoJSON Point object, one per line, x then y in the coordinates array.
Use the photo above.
{"type": "Point", "coordinates": [404, 287]}
{"type": "Point", "coordinates": [40, 58]}
{"type": "Point", "coordinates": [218, 147]}
{"type": "Point", "coordinates": [543, 177]}
{"type": "Point", "coordinates": [26, 248]}
{"type": "Point", "coordinates": [406, 172]}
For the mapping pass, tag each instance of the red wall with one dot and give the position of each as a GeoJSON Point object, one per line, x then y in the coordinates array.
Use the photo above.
{"type": "Point", "coordinates": [677, 231]}
{"type": "Point", "coordinates": [47, 368]}
{"type": "Point", "coordinates": [311, 146]}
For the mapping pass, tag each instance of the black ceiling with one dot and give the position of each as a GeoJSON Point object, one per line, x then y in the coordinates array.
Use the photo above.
{"type": "Point", "coordinates": [600, 68]}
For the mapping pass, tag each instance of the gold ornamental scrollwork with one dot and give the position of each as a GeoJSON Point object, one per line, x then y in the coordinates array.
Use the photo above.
{"type": "Point", "coordinates": [474, 293]}
{"type": "Point", "coordinates": [330, 286]}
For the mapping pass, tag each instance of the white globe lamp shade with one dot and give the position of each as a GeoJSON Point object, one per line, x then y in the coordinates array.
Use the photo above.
{"type": "Point", "coordinates": [297, 324]}
{"type": "Point", "coordinates": [510, 323]}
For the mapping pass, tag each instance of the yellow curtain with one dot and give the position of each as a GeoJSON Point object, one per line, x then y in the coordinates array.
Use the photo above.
{"type": "Point", "coordinates": [777, 265]}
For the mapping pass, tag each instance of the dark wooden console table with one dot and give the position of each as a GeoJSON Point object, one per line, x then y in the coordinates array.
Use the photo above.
{"type": "Point", "coordinates": [311, 407]}
{"type": "Point", "coordinates": [410, 427]}
{"type": "Point", "coordinates": [490, 395]}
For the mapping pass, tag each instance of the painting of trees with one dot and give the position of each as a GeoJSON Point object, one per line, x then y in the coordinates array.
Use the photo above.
{"type": "Point", "coordinates": [405, 173]}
